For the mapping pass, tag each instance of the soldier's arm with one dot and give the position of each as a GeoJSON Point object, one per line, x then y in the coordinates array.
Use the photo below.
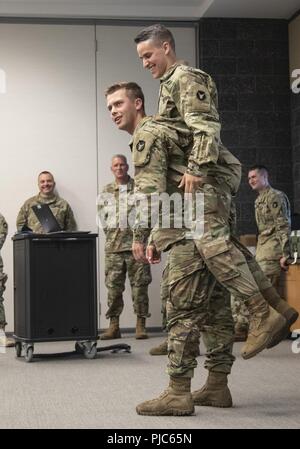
{"type": "Point", "coordinates": [150, 166]}
{"type": "Point", "coordinates": [102, 209]}
{"type": "Point", "coordinates": [22, 217]}
{"type": "Point", "coordinates": [3, 230]}
{"type": "Point", "coordinates": [70, 223]}
{"type": "Point", "coordinates": [192, 96]}
{"type": "Point", "coordinates": [280, 211]}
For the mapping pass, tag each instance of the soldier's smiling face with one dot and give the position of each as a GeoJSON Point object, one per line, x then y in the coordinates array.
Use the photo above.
{"type": "Point", "coordinates": [119, 168]}
{"type": "Point", "coordinates": [155, 57]}
{"type": "Point", "coordinates": [124, 110]}
{"type": "Point", "coordinates": [258, 180]}
{"type": "Point", "coordinates": [46, 183]}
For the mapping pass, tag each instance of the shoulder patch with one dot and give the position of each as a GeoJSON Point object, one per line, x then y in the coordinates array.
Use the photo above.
{"type": "Point", "coordinates": [141, 152]}
{"type": "Point", "coordinates": [140, 145]}
{"type": "Point", "coordinates": [201, 95]}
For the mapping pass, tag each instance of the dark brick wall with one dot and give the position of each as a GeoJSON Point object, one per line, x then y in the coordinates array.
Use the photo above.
{"type": "Point", "coordinates": [295, 127]}
{"type": "Point", "coordinates": [248, 59]}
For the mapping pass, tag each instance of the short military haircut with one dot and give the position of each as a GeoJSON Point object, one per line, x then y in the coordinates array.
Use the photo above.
{"type": "Point", "coordinates": [120, 156]}
{"type": "Point", "coordinates": [157, 33]}
{"type": "Point", "coordinates": [45, 172]}
{"type": "Point", "coordinates": [133, 90]}
{"type": "Point", "coordinates": [260, 168]}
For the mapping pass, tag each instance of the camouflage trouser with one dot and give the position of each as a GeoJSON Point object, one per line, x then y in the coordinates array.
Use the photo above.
{"type": "Point", "coordinates": [272, 270]}
{"type": "Point", "coordinates": [239, 310]}
{"type": "Point", "coordinates": [240, 313]}
{"type": "Point", "coordinates": [3, 279]}
{"type": "Point", "coordinates": [164, 294]}
{"type": "Point", "coordinates": [195, 303]}
{"type": "Point", "coordinates": [224, 259]}
{"type": "Point", "coordinates": [116, 266]}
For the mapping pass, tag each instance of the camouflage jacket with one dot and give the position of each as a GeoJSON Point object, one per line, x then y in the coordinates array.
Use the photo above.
{"type": "Point", "coordinates": [118, 235]}
{"type": "Point", "coordinates": [3, 234]}
{"type": "Point", "coordinates": [188, 102]}
{"type": "Point", "coordinates": [60, 208]}
{"type": "Point", "coordinates": [159, 164]}
{"type": "Point", "coordinates": [272, 213]}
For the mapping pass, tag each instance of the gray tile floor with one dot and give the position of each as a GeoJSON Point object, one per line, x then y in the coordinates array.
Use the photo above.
{"type": "Point", "coordinates": [73, 392]}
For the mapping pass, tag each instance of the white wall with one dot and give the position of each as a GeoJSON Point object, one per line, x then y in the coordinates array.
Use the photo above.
{"type": "Point", "coordinates": [48, 121]}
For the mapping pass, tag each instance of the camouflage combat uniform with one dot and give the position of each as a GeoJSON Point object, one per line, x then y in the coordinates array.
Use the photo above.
{"type": "Point", "coordinates": [188, 105]}
{"type": "Point", "coordinates": [194, 300]}
{"type": "Point", "coordinates": [60, 208]}
{"type": "Point", "coordinates": [273, 219]}
{"type": "Point", "coordinates": [272, 213]}
{"type": "Point", "coordinates": [3, 276]}
{"type": "Point", "coordinates": [119, 259]}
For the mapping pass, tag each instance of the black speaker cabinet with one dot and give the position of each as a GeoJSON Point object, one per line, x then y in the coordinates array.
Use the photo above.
{"type": "Point", "coordinates": [55, 287]}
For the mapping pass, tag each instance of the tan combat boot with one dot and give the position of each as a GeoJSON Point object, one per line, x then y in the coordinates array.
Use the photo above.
{"type": "Point", "coordinates": [215, 392]}
{"type": "Point", "coordinates": [176, 400]}
{"type": "Point", "coordinates": [264, 323]}
{"type": "Point", "coordinates": [113, 331]}
{"type": "Point", "coordinates": [140, 330]}
{"type": "Point", "coordinates": [5, 342]}
{"type": "Point", "coordinates": [161, 349]}
{"type": "Point", "coordinates": [282, 307]}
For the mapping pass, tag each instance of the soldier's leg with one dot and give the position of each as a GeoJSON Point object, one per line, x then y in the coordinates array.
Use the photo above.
{"type": "Point", "coordinates": [272, 271]}
{"type": "Point", "coordinates": [164, 294]}
{"type": "Point", "coordinates": [217, 334]}
{"type": "Point", "coordinates": [4, 340]}
{"type": "Point", "coordinates": [115, 276]}
{"type": "Point", "coordinates": [162, 348]}
{"type": "Point", "coordinates": [240, 317]}
{"type": "Point", "coordinates": [229, 266]}
{"type": "Point", "coordinates": [140, 277]}
{"type": "Point", "coordinates": [269, 292]}
{"type": "Point", "coordinates": [186, 312]}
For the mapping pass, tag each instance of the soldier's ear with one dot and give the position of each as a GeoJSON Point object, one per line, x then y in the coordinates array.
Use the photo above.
{"type": "Point", "coordinates": [166, 47]}
{"type": "Point", "coordinates": [138, 104]}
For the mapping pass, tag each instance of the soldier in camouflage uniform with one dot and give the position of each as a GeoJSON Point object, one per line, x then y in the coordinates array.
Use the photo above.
{"type": "Point", "coordinates": [4, 341]}
{"type": "Point", "coordinates": [188, 105]}
{"type": "Point", "coordinates": [59, 207]}
{"type": "Point", "coordinates": [195, 300]}
{"type": "Point", "coordinates": [273, 219]}
{"type": "Point", "coordinates": [119, 258]}
{"type": "Point", "coordinates": [272, 213]}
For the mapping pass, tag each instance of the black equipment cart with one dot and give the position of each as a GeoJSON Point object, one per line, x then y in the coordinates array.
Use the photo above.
{"type": "Point", "coordinates": [55, 291]}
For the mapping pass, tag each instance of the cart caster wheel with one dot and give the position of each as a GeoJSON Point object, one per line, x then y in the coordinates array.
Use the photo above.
{"type": "Point", "coordinates": [90, 353]}
{"type": "Point", "coordinates": [29, 354]}
{"type": "Point", "coordinates": [18, 348]}
{"type": "Point", "coordinates": [79, 348]}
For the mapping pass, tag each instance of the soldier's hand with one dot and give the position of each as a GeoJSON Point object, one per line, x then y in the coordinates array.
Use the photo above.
{"type": "Point", "coordinates": [283, 264]}
{"type": "Point", "coordinates": [190, 183]}
{"type": "Point", "coordinates": [153, 256]}
{"type": "Point", "coordinates": [138, 250]}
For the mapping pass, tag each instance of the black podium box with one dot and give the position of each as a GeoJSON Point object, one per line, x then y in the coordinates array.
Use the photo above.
{"type": "Point", "coordinates": [55, 287]}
